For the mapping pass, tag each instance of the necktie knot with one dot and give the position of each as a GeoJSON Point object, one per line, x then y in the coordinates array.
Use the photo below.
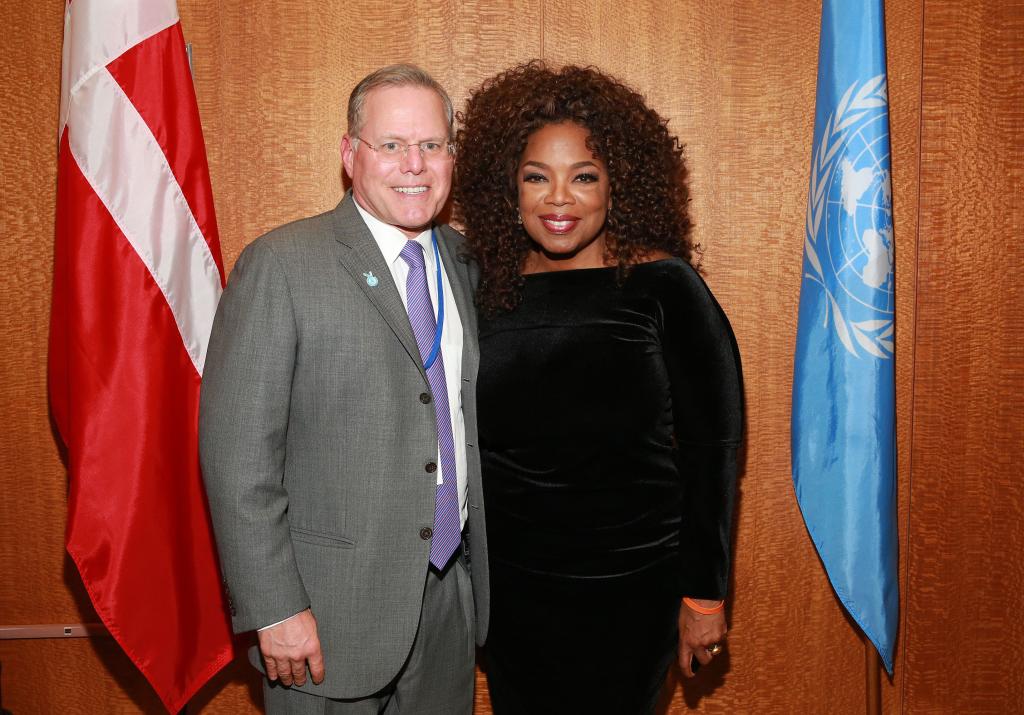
{"type": "Point", "coordinates": [412, 254]}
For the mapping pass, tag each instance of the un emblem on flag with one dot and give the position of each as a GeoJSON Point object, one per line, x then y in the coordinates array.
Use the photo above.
{"type": "Point", "coordinates": [849, 237]}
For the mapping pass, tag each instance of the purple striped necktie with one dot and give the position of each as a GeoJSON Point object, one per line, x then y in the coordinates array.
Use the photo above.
{"type": "Point", "coordinates": [447, 527]}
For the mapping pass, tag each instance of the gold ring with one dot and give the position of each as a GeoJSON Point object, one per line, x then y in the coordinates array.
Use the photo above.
{"type": "Point", "coordinates": [714, 649]}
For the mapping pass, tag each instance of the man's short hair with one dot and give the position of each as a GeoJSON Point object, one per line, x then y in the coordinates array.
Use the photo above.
{"type": "Point", "coordinates": [400, 75]}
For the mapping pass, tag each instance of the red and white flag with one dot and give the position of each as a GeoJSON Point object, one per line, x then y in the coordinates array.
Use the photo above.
{"type": "Point", "coordinates": [137, 277]}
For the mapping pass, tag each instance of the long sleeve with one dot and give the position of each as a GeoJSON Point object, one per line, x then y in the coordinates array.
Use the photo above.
{"type": "Point", "coordinates": [707, 405]}
{"type": "Point", "coordinates": [243, 425]}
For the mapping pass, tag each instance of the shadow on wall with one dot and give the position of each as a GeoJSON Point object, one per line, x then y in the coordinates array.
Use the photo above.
{"type": "Point", "coordinates": [3, 710]}
{"type": "Point", "coordinates": [238, 675]}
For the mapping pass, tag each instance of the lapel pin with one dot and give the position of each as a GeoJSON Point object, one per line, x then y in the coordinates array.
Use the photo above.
{"type": "Point", "coordinates": [371, 280]}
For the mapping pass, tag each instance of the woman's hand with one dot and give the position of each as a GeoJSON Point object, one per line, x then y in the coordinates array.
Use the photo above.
{"type": "Point", "coordinates": [698, 633]}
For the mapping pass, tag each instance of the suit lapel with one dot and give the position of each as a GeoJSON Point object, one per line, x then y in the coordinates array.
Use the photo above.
{"type": "Point", "coordinates": [458, 275]}
{"type": "Point", "coordinates": [361, 257]}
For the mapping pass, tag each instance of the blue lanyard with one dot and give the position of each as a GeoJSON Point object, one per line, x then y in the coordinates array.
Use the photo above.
{"type": "Point", "coordinates": [435, 349]}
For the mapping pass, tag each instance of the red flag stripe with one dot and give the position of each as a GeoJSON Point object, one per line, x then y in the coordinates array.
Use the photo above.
{"type": "Point", "coordinates": [156, 79]}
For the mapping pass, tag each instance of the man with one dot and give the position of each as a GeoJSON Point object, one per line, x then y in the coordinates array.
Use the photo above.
{"type": "Point", "coordinates": [338, 430]}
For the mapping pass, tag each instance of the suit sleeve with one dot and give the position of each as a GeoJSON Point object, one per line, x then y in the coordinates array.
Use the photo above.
{"type": "Point", "coordinates": [243, 425]}
{"type": "Point", "coordinates": [707, 403]}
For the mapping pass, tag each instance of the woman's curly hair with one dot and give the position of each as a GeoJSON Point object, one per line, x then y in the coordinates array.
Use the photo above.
{"type": "Point", "coordinates": [645, 164]}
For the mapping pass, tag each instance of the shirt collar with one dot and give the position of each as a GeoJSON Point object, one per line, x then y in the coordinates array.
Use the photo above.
{"type": "Point", "coordinates": [389, 239]}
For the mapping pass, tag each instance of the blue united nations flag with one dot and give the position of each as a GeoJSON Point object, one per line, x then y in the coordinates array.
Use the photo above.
{"type": "Point", "coordinates": [843, 388]}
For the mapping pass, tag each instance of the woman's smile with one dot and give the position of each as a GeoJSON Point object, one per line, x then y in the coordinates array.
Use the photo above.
{"type": "Point", "coordinates": [559, 223]}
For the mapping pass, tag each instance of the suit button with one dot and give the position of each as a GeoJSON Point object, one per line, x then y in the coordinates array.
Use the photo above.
{"type": "Point", "coordinates": [425, 398]}
{"type": "Point", "coordinates": [431, 467]}
{"type": "Point", "coordinates": [426, 532]}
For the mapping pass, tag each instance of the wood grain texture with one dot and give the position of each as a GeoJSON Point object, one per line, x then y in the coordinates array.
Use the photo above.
{"type": "Point", "coordinates": [964, 638]}
{"type": "Point", "coordinates": [736, 82]}
{"type": "Point", "coordinates": [77, 676]}
{"type": "Point", "coordinates": [33, 588]}
{"type": "Point", "coordinates": [904, 30]}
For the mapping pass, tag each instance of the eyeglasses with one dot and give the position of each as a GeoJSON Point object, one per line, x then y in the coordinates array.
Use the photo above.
{"type": "Point", "coordinates": [393, 151]}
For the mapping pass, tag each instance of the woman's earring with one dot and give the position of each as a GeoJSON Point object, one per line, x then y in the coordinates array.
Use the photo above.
{"type": "Point", "coordinates": [519, 217]}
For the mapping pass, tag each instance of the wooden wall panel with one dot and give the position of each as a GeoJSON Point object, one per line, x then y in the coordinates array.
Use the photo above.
{"type": "Point", "coordinates": [964, 638]}
{"type": "Point", "coordinates": [33, 587]}
{"type": "Point", "coordinates": [904, 30]}
{"type": "Point", "coordinates": [77, 676]}
{"type": "Point", "coordinates": [736, 81]}
{"type": "Point", "coordinates": [28, 460]}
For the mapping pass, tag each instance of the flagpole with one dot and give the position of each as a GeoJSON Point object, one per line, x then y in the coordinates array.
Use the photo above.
{"type": "Point", "coordinates": [873, 687]}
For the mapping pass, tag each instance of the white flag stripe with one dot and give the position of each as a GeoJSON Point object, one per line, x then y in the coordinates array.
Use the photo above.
{"type": "Point", "coordinates": [97, 32]}
{"type": "Point", "coordinates": [127, 169]}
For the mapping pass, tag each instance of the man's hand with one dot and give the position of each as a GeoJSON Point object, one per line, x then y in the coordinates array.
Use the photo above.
{"type": "Point", "coordinates": [287, 646]}
{"type": "Point", "coordinates": [697, 633]}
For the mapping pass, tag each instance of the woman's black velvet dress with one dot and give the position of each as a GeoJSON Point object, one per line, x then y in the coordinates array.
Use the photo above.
{"type": "Point", "coordinates": [610, 413]}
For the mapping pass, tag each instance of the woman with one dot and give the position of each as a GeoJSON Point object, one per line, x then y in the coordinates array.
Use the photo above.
{"type": "Point", "coordinates": [610, 405]}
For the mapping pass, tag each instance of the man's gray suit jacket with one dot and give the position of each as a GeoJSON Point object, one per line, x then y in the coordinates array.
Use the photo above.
{"type": "Point", "coordinates": [316, 428]}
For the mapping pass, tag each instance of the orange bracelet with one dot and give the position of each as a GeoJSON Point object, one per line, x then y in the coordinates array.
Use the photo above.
{"type": "Point", "coordinates": [703, 610]}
